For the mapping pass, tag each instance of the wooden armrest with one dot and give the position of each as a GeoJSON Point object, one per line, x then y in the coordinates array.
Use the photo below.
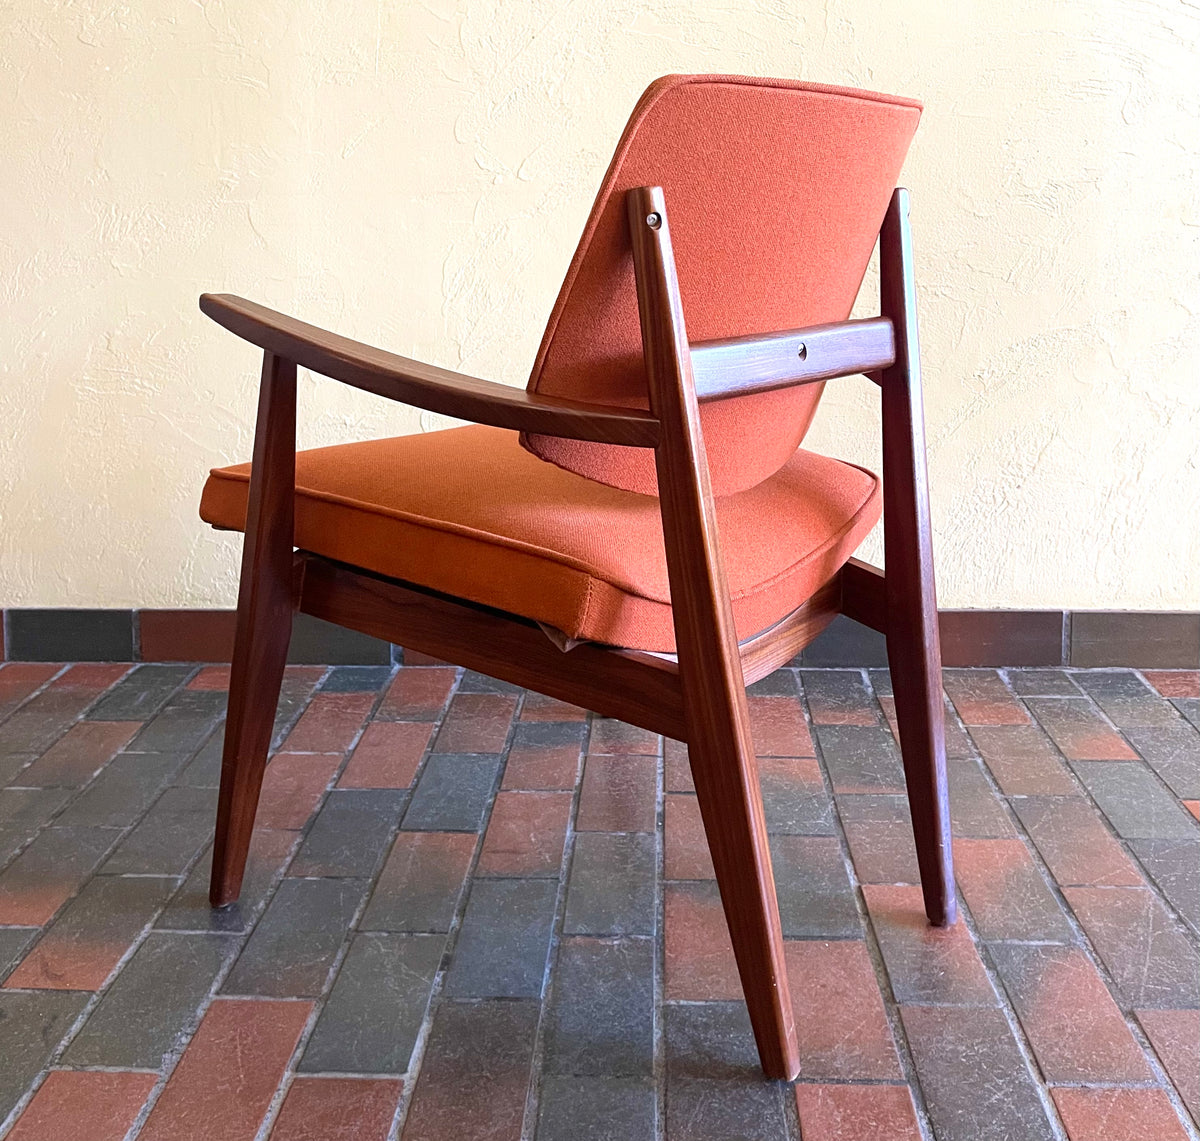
{"type": "Point", "coordinates": [423, 385]}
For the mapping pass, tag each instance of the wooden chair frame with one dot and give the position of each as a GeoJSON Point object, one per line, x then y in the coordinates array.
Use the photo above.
{"type": "Point", "coordinates": [700, 698]}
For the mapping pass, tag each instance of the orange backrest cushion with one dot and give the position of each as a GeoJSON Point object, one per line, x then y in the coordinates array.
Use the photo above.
{"type": "Point", "coordinates": [775, 193]}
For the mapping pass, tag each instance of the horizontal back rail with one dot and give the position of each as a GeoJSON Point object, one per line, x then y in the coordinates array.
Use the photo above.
{"type": "Point", "coordinates": [740, 366]}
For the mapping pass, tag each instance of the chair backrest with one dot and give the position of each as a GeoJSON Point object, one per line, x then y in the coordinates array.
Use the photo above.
{"type": "Point", "coordinates": [775, 191]}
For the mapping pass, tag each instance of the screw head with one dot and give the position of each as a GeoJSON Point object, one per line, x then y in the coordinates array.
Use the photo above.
{"type": "Point", "coordinates": [802, 353]}
{"type": "Point", "coordinates": [654, 221]}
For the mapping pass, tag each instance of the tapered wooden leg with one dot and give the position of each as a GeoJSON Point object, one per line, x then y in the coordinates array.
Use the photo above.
{"type": "Point", "coordinates": [264, 626]}
{"type": "Point", "coordinates": [726, 778]}
{"type": "Point", "coordinates": [914, 649]}
{"type": "Point", "coordinates": [710, 668]}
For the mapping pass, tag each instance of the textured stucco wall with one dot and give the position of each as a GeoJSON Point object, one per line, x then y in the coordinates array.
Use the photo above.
{"type": "Point", "coordinates": [416, 175]}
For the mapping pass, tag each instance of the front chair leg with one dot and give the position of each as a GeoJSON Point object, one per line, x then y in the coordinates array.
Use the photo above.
{"type": "Point", "coordinates": [914, 648]}
{"type": "Point", "coordinates": [264, 627]}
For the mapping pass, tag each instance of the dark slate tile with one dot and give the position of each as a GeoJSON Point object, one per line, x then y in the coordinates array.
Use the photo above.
{"type": "Point", "coordinates": [189, 910]}
{"type": "Point", "coordinates": [974, 809]}
{"type": "Point", "coordinates": [710, 1040]}
{"type": "Point", "coordinates": [183, 724]}
{"type": "Point", "coordinates": [419, 887]}
{"type": "Point", "coordinates": [1127, 700]}
{"type": "Point", "coordinates": [351, 833]}
{"type": "Point", "coordinates": [611, 885]}
{"type": "Point", "coordinates": [815, 897]}
{"type": "Point", "coordinates": [1188, 707]}
{"type": "Point", "coordinates": [880, 834]}
{"type": "Point", "coordinates": [153, 1002]}
{"type": "Point", "coordinates": [1142, 639]}
{"type": "Point", "coordinates": [1174, 753]}
{"type": "Point", "coordinates": [976, 1084]}
{"type": "Point", "coordinates": [356, 679]}
{"type": "Point", "coordinates": [32, 1024]}
{"type": "Point", "coordinates": [12, 764]}
{"type": "Point", "coordinates": [42, 720]}
{"type": "Point", "coordinates": [794, 796]}
{"type": "Point", "coordinates": [1042, 683]}
{"type": "Point", "coordinates": [319, 642]}
{"type": "Point", "coordinates": [845, 642]}
{"type": "Point", "coordinates": [294, 945]}
{"type": "Point", "coordinates": [597, 1109]}
{"type": "Point", "coordinates": [204, 769]}
{"type": "Point", "coordinates": [1174, 865]}
{"type": "Point", "coordinates": [502, 946]}
{"type": "Point", "coordinates": [1001, 637]}
{"type": "Point", "coordinates": [140, 694]}
{"type": "Point", "coordinates": [41, 879]}
{"type": "Point", "coordinates": [839, 697]}
{"type": "Point", "coordinates": [600, 1020]}
{"type": "Point", "coordinates": [13, 941]}
{"type": "Point", "coordinates": [466, 1040]}
{"type": "Point", "coordinates": [371, 1020]}
{"type": "Point", "coordinates": [782, 683]}
{"type": "Point", "coordinates": [168, 837]}
{"type": "Point", "coordinates": [30, 809]}
{"type": "Point", "coordinates": [706, 1110]}
{"type": "Point", "coordinates": [1078, 729]}
{"type": "Point", "coordinates": [881, 682]}
{"type": "Point", "coordinates": [452, 793]}
{"type": "Point", "coordinates": [1132, 798]}
{"type": "Point", "coordinates": [474, 682]}
{"type": "Point", "coordinates": [1149, 956]}
{"type": "Point", "coordinates": [1074, 841]}
{"type": "Point", "coordinates": [125, 789]}
{"type": "Point", "coordinates": [926, 964]}
{"type": "Point", "coordinates": [860, 758]}
{"type": "Point", "coordinates": [69, 635]}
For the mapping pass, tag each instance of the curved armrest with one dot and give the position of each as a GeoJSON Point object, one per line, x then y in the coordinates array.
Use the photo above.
{"type": "Point", "coordinates": [423, 385]}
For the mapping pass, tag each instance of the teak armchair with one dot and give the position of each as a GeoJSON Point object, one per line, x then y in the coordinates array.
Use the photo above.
{"type": "Point", "coordinates": [453, 603]}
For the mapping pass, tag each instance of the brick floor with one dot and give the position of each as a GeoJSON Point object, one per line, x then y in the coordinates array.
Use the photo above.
{"type": "Point", "coordinates": [472, 912]}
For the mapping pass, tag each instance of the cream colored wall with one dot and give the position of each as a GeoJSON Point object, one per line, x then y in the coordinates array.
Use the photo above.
{"type": "Point", "coordinates": [416, 175]}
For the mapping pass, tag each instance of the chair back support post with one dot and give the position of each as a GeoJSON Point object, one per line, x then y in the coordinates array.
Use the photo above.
{"type": "Point", "coordinates": [914, 647]}
{"type": "Point", "coordinates": [720, 746]}
{"type": "Point", "coordinates": [266, 601]}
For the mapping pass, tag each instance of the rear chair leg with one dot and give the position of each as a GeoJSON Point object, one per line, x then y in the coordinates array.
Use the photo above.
{"type": "Point", "coordinates": [914, 649]}
{"type": "Point", "coordinates": [264, 627]}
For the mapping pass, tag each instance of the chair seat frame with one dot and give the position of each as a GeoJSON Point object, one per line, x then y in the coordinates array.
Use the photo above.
{"type": "Point", "coordinates": [700, 698]}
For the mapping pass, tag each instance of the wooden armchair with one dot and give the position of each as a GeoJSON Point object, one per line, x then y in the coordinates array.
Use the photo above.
{"type": "Point", "coordinates": [395, 537]}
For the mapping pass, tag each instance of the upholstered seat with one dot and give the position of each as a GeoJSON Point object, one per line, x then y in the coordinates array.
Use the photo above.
{"type": "Point", "coordinates": [470, 513]}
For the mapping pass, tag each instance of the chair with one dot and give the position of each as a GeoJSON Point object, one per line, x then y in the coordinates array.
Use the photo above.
{"type": "Point", "coordinates": [639, 532]}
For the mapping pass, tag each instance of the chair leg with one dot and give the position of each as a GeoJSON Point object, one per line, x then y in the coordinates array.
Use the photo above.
{"type": "Point", "coordinates": [264, 627]}
{"type": "Point", "coordinates": [726, 777]}
{"type": "Point", "coordinates": [916, 683]}
{"type": "Point", "coordinates": [914, 649]}
{"type": "Point", "coordinates": [254, 684]}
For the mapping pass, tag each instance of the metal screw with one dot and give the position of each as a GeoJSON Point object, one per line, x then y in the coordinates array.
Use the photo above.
{"type": "Point", "coordinates": [803, 353]}
{"type": "Point", "coordinates": [654, 221]}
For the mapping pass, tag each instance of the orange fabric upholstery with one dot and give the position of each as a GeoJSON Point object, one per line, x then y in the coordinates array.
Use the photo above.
{"type": "Point", "coordinates": [775, 192]}
{"type": "Point", "coordinates": [469, 513]}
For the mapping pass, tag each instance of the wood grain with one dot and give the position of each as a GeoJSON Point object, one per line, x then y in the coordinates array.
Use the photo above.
{"type": "Point", "coordinates": [740, 366]}
{"type": "Point", "coordinates": [423, 385]}
{"type": "Point", "coordinates": [264, 626]}
{"type": "Point", "coordinates": [718, 730]}
{"type": "Point", "coordinates": [914, 650]}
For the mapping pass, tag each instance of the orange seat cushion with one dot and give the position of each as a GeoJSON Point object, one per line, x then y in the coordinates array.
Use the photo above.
{"type": "Point", "coordinates": [470, 513]}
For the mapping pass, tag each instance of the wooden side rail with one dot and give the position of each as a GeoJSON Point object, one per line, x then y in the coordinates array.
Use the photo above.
{"type": "Point", "coordinates": [423, 385]}
{"type": "Point", "coordinates": [740, 366]}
